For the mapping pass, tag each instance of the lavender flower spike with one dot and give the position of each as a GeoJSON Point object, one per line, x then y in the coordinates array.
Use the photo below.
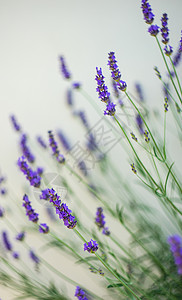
{"type": "Point", "coordinates": [31, 175]}
{"type": "Point", "coordinates": [100, 222]}
{"type": "Point", "coordinates": [63, 68]}
{"type": "Point", "coordinates": [102, 89]}
{"type": "Point", "coordinates": [25, 149]}
{"type": "Point", "coordinates": [110, 109]}
{"type": "Point", "coordinates": [175, 241]}
{"type": "Point", "coordinates": [115, 73]}
{"type": "Point", "coordinates": [34, 257]}
{"type": "Point", "coordinates": [153, 30]}
{"type": "Point", "coordinates": [33, 216]}
{"type": "Point", "coordinates": [80, 294]}
{"type": "Point", "coordinates": [41, 142]}
{"type": "Point", "coordinates": [6, 241]}
{"type": "Point", "coordinates": [15, 124]}
{"type": "Point", "coordinates": [164, 29]}
{"type": "Point", "coordinates": [168, 50]}
{"type": "Point", "coordinates": [147, 12]}
{"type": "Point", "coordinates": [61, 208]}
{"type": "Point", "coordinates": [91, 246]}
{"type": "Point", "coordinates": [55, 151]}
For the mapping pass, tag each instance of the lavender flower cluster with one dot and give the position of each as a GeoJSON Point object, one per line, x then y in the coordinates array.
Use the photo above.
{"type": "Point", "coordinates": [175, 242]}
{"type": "Point", "coordinates": [61, 208]}
{"type": "Point", "coordinates": [32, 176]}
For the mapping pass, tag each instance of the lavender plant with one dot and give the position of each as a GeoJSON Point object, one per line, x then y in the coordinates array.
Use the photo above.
{"type": "Point", "coordinates": [147, 263]}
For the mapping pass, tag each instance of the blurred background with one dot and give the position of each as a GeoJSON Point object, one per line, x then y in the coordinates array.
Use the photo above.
{"type": "Point", "coordinates": [33, 33]}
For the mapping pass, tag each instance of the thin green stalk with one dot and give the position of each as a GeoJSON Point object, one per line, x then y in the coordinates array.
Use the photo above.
{"type": "Point", "coordinates": [176, 75]}
{"type": "Point", "coordinates": [151, 178]}
{"type": "Point", "coordinates": [176, 181]}
{"type": "Point", "coordinates": [168, 70]}
{"type": "Point", "coordinates": [157, 262]}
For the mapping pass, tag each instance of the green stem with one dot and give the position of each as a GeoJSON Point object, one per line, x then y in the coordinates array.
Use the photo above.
{"type": "Point", "coordinates": [176, 75]}
{"type": "Point", "coordinates": [157, 262]}
{"type": "Point", "coordinates": [151, 178]}
{"type": "Point", "coordinates": [168, 70]}
{"type": "Point", "coordinates": [176, 181]}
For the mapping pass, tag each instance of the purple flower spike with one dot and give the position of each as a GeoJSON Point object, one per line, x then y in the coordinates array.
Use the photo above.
{"type": "Point", "coordinates": [1, 212]}
{"type": "Point", "coordinates": [147, 12]}
{"type": "Point", "coordinates": [63, 139]}
{"type": "Point", "coordinates": [25, 149]}
{"type": "Point", "coordinates": [6, 241]}
{"type": "Point", "coordinates": [16, 255]}
{"type": "Point", "coordinates": [43, 228]}
{"type": "Point", "coordinates": [122, 86]}
{"type": "Point", "coordinates": [15, 124]}
{"type": "Point", "coordinates": [55, 151]}
{"type": "Point", "coordinates": [80, 294]}
{"type": "Point", "coordinates": [153, 30]}
{"type": "Point", "coordinates": [41, 142]}
{"type": "Point", "coordinates": [164, 29]}
{"type": "Point", "coordinates": [63, 68]}
{"type": "Point", "coordinates": [175, 242]}
{"type": "Point", "coordinates": [29, 210]}
{"type": "Point", "coordinates": [61, 208]}
{"type": "Point", "coordinates": [100, 222]}
{"type": "Point", "coordinates": [115, 73]}
{"type": "Point", "coordinates": [69, 98]}
{"type": "Point", "coordinates": [20, 236]}
{"type": "Point", "coordinates": [34, 257]}
{"type": "Point", "coordinates": [31, 175]}
{"type": "Point", "coordinates": [139, 91]}
{"type": "Point", "coordinates": [112, 62]}
{"type": "Point", "coordinates": [76, 85]}
{"type": "Point", "coordinates": [91, 246]}
{"type": "Point", "coordinates": [110, 109]}
{"type": "Point", "coordinates": [168, 50]}
{"type": "Point", "coordinates": [102, 89]}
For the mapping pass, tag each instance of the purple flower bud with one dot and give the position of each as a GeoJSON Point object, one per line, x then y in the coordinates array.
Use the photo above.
{"type": "Point", "coordinates": [1, 212]}
{"type": "Point", "coordinates": [41, 142]}
{"type": "Point", "coordinates": [63, 140]}
{"type": "Point", "coordinates": [43, 228]}
{"type": "Point", "coordinates": [15, 124]}
{"type": "Point", "coordinates": [6, 241]}
{"type": "Point", "coordinates": [16, 255]}
{"type": "Point", "coordinates": [110, 109]}
{"type": "Point", "coordinates": [31, 175]}
{"type": "Point", "coordinates": [34, 257]}
{"type": "Point", "coordinates": [80, 294]}
{"type": "Point", "coordinates": [168, 50]}
{"type": "Point", "coordinates": [153, 30]}
{"type": "Point", "coordinates": [91, 246]}
{"type": "Point", "coordinates": [69, 97]}
{"type": "Point", "coordinates": [55, 151]}
{"type": "Point", "coordinates": [101, 87]}
{"type": "Point", "coordinates": [164, 29]}
{"type": "Point", "coordinates": [63, 68]}
{"type": "Point", "coordinates": [147, 12]}
{"type": "Point", "coordinates": [20, 236]}
{"type": "Point", "coordinates": [25, 149]}
{"type": "Point", "coordinates": [33, 216]}
{"type": "Point", "coordinates": [76, 85]}
{"type": "Point", "coordinates": [175, 242]}
{"type": "Point", "coordinates": [100, 222]}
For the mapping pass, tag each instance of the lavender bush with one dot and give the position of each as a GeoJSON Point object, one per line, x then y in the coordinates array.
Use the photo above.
{"type": "Point", "coordinates": [145, 260]}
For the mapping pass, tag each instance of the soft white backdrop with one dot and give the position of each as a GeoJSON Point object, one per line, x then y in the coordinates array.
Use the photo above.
{"type": "Point", "coordinates": [33, 33]}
